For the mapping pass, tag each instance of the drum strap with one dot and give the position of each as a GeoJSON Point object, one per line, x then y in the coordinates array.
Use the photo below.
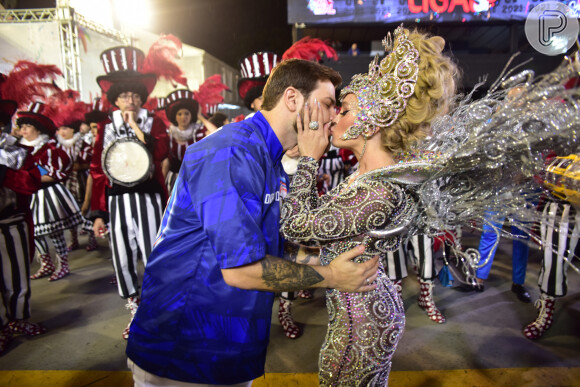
{"type": "Point", "coordinates": [123, 130]}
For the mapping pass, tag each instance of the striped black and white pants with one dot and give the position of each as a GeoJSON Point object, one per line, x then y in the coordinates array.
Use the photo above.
{"type": "Point", "coordinates": [420, 250]}
{"type": "Point", "coordinates": [559, 231]}
{"type": "Point", "coordinates": [15, 257]}
{"type": "Point", "coordinates": [395, 264]}
{"type": "Point", "coordinates": [134, 221]}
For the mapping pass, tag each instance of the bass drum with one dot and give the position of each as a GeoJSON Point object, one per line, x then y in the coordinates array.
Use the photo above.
{"type": "Point", "coordinates": [127, 162]}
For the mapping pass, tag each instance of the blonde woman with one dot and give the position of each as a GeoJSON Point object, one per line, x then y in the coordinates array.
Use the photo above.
{"type": "Point", "coordinates": [383, 113]}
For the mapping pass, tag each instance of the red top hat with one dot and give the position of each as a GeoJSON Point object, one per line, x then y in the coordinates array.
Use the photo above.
{"type": "Point", "coordinates": [180, 99]}
{"type": "Point", "coordinates": [7, 110]}
{"type": "Point", "coordinates": [37, 116]}
{"type": "Point", "coordinates": [122, 64]}
{"type": "Point", "coordinates": [255, 69]}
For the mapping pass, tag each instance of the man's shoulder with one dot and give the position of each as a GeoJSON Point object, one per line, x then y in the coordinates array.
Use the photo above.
{"type": "Point", "coordinates": [236, 133]}
{"type": "Point", "coordinates": [236, 140]}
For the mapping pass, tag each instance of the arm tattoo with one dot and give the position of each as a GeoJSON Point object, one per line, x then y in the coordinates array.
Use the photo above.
{"type": "Point", "coordinates": [285, 276]}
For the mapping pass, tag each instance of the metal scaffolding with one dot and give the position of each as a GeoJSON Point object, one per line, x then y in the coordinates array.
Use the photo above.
{"type": "Point", "coordinates": [68, 21]}
{"type": "Point", "coordinates": [69, 48]}
{"type": "Point", "coordinates": [27, 15]}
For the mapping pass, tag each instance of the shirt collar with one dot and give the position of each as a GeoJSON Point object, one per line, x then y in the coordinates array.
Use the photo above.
{"type": "Point", "coordinates": [142, 115]}
{"type": "Point", "coordinates": [272, 142]}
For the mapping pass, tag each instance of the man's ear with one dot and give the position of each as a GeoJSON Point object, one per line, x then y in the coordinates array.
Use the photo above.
{"type": "Point", "coordinates": [293, 99]}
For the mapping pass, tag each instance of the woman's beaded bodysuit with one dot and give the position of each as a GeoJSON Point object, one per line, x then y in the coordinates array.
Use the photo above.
{"type": "Point", "coordinates": [363, 328]}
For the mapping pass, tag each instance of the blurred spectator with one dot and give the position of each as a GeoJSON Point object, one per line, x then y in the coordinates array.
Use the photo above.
{"type": "Point", "coordinates": [353, 50]}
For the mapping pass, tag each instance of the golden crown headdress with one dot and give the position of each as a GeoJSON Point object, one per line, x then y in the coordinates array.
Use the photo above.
{"type": "Point", "coordinates": [383, 92]}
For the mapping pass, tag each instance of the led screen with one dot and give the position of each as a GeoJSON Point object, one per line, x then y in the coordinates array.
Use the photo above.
{"type": "Point", "coordinates": [394, 11]}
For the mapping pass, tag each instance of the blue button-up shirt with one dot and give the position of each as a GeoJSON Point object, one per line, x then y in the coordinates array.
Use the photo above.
{"type": "Point", "coordinates": [223, 212]}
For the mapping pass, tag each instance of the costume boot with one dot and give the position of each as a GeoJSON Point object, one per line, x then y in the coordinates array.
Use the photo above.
{"type": "Point", "coordinates": [5, 338]}
{"type": "Point", "coordinates": [427, 303]}
{"type": "Point", "coordinates": [536, 329]}
{"type": "Point", "coordinates": [291, 330]}
{"type": "Point", "coordinates": [92, 242]}
{"type": "Point", "coordinates": [62, 269]}
{"type": "Point", "coordinates": [132, 305]}
{"type": "Point", "coordinates": [46, 267]}
{"type": "Point", "coordinates": [26, 328]}
{"type": "Point", "coordinates": [74, 236]}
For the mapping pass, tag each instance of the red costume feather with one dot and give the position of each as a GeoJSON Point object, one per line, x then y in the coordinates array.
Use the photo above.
{"type": "Point", "coordinates": [210, 92]}
{"type": "Point", "coordinates": [312, 49]}
{"type": "Point", "coordinates": [64, 108]}
{"type": "Point", "coordinates": [161, 60]}
{"type": "Point", "coordinates": [30, 82]}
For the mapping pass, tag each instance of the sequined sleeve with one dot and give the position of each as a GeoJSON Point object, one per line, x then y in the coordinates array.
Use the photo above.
{"type": "Point", "coordinates": [347, 211]}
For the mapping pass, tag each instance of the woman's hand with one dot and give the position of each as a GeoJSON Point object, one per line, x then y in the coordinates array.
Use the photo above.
{"type": "Point", "coordinates": [99, 228]}
{"type": "Point", "coordinates": [312, 142]}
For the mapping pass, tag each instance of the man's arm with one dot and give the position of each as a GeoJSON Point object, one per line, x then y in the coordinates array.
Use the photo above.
{"type": "Point", "coordinates": [277, 274]}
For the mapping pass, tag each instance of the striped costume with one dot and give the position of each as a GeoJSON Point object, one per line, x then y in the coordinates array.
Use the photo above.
{"type": "Point", "coordinates": [559, 231]}
{"type": "Point", "coordinates": [80, 153]}
{"type": "Point", "coordinates": [54, 208]}
{"type": "Point", "coordinates": [134, 213]}
{"type": "Point", "coordinates": [19, 178]}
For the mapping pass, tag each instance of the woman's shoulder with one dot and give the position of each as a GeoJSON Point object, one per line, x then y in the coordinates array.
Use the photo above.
{"type": "Point", "coordinates": [408, 175]}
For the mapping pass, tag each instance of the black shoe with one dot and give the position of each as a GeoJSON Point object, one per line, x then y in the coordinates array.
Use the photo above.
{"type": "Point", "coordinates": [521, 293]}
{"type": "Point", "coordinates": [465, 288]}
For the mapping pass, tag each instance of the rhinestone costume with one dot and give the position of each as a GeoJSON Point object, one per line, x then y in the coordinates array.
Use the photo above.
{"type": "Point", "coordinates": [363, 328]}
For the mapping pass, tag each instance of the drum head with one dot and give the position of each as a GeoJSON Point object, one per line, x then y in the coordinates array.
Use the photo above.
{"type": "Point", "coordinates": [127, 162]}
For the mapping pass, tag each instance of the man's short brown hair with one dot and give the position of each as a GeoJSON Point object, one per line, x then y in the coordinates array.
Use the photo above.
{"type": "Point", "coordinates": [298, 73]}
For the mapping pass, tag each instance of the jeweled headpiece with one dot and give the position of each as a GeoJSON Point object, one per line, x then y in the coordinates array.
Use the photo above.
{"type": "Point", "coordinates": [383, 92]}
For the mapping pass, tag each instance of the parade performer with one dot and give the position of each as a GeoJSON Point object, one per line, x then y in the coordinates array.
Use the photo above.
{"type": "Point", "coordinates": [19, 179]}
{"type": "Point", "coordinates": [559, 232]}
{"type": "Point", "coordinates": [255, 69]}
{"type": "Point", "coordinates": [560, 228]}
{"type": "Point", "coordinates": [54, 208]}
{"type": "Point", "coordinates": [69, 120]}
{"type": "Point", "coordinates": [479, 164]}
{"type": "Point", "coordinates": [128, 185]}
{"type": "Point", "coordinates": [383, 112]}
{"type": "Point", "coordinates": [181, 110]}
{"type": "Point", "coordinates": [96, 115]}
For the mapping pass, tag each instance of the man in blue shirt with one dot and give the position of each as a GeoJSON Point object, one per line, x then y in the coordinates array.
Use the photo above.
{"type": "Point", "coordinates": [208, 289]}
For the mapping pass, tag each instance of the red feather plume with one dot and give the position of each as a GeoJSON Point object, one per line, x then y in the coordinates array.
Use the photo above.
{"type": "Point", "coordinates": [210, 92]}
{"type": "Point", "coordinates": [311, 49]}
{"type": "Point", "coordinates": [30, 82]}
{"type": "Point", "coordinates": [161, 60]}
{"type": "Point", "coordinates": [64, 108]}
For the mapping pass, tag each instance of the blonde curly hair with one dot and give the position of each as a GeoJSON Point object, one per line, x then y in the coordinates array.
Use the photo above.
{"type": "Point", "coordinates": [435, 87]}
